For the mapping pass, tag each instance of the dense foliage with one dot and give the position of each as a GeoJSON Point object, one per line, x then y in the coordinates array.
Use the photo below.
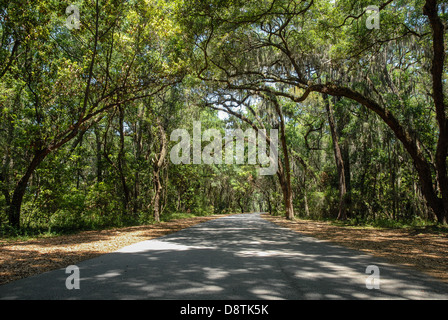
{"type": "Point", "coordinates": [86, 113]}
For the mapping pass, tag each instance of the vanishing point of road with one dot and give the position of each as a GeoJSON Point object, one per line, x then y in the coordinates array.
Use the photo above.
{"type": "Point", "coordinates": [238, 257]}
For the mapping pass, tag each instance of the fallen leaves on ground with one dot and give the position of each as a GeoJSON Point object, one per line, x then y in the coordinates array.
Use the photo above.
{"type": "Point", "coordinates": [21, 259]}
{"type": "Point", "coordinates": [426, 252]}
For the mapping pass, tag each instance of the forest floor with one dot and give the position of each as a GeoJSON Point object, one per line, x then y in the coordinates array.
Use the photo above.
{"type": "Point", "coordinates": [423, 249]}
{"type": "Point", "coordinates": [21, 259]}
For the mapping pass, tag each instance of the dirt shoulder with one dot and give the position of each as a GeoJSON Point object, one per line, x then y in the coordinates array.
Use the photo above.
{"type": "Point", "coordinates": [21, 259]}
{"type": "Point", "coordinates": [421, 250]}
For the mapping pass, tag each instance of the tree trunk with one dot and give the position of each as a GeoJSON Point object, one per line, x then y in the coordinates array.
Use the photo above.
{"type": "Point", "coordinates": [268, 198]}
{"type": "Point", "coordinates": [138, 146]}
{"type": "Point", "coordinates": [287, 194]}
{"type": "Point", "coordinates": [99, 162]}
{"type": "Point", "coordinates": [240, 205]}
{"type": "Point", "coordinates": [157, 167]}
{"type": "Point", "coordinates": [157, 190]}
{"type": "Point", "coordinates": [305, 196]}
{"type": "Point", "coordinates": [285, 173]}
{"type": "Point", "coordinates": [121, 162]}
{"type": "Point", "coordinates": [4, 170]}
{"type": "Point", "coordinates": [431, 10]}
{"type": "Point", "coordinates": [20, 189]}
{"type": "Point", "coordinates": [339, 161]}
{"type": "Point", "coordinates": [289, 205]}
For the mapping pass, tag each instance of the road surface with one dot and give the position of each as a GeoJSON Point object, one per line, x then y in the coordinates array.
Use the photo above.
{"type": "Point", "coordinates": [232, 258]}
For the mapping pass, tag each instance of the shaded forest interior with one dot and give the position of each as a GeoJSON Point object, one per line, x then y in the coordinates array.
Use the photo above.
{"type": "Point", "coordinates": [90, 95]}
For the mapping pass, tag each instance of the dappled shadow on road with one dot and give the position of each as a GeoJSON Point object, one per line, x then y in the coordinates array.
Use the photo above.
{"type": "Point", "coordinates": [20, 259]}
{"type": "Point", "coordinates": [420, 249]}
{"type": "Point", "coordinates": [238, 257]}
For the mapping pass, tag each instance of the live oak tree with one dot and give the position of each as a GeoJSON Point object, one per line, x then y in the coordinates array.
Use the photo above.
{"type": "Point", "coordinates": [86, 114]}
{"type": "Point", "coordinates": [60, 82]}
{"type": "Point", "coordinates": [293, 49]}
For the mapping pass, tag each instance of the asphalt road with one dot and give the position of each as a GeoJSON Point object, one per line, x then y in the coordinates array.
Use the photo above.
{"type": "Point", "coordinates": [231, 258]}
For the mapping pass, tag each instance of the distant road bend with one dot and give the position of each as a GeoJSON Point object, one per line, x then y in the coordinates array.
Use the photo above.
{"type": "Point", "coordinates": [232, 258]}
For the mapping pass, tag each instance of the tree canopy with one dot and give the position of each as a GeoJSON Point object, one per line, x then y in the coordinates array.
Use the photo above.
{"type": "Point", "coordinates": [356, 89]}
